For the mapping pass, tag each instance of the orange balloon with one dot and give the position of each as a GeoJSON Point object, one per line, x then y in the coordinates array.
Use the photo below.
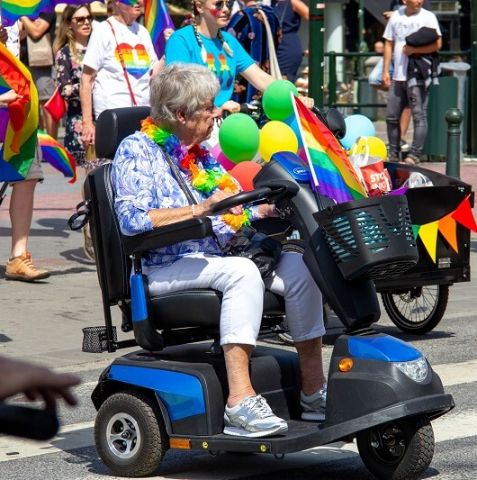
{"type": "Point", "coordinates": [244, 173]}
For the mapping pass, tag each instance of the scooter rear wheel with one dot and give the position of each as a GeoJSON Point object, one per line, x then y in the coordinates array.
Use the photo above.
{"type": "Point", "coordinates": [400, 450]}
{"type": "Point", "coordinates": [129, 435]}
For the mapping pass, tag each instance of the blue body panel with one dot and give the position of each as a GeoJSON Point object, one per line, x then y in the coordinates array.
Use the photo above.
{"type": "Point", "coordinates": [385, 348]}
{"type": "Point", "coordinates": [138, 298]}
{"type": "Point", "coordinates": [181, 393]}
{"type": "Point", "coordinates": [293, 164]}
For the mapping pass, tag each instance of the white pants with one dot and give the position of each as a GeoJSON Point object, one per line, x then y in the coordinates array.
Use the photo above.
{"type": "Point", "coordinates": [242, 290]}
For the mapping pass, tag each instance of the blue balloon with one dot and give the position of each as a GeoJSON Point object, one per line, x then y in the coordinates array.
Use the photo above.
{"type": "Point", "coordinates": [357, 126]}
{"type": "Point", "coordinates": [292, 122]}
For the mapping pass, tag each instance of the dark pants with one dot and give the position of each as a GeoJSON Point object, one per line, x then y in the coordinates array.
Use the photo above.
{"type": "Point", "coordinates": [400, 96]}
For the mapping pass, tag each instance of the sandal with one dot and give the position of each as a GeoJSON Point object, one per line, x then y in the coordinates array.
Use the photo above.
{"type": "Point", "coordinates": [410, 160]}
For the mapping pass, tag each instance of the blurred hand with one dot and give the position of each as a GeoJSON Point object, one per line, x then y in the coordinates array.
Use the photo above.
{"type": "Point", "coordinates": [36, 382]}
{"type": "Point", "coordinates": [386, 79]}
{"type": "Point", "coordinates": [88, 133]}
{"type": "Point", "coordinates": [231, 106]}
{"type": "Point", "coordinates": [266, 210]}
{"type": "Point", "coordinates": [9, 97]}
{"type": "Point", "coordinates": [408, 50]}
{"type": "Point", "coordinates": [308, 101]}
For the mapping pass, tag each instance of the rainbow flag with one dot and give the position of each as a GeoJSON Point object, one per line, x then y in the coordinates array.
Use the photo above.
{"type": "Point", "coordinates": [156, 20]}
{"type": "Point", "coordinates": [129, 3]}
{"type": "Point", "coordinates": [19, 120]}
{"type": "Point", "coordinates": [12, 10]}
{"type": "Point", "coordinates": [57, 155]}
{"type": "Point", "coordinates": [331, 170]}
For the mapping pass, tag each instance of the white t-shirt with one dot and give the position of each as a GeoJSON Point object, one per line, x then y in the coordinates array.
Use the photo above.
{"type": "Point", "coordinates": [110, 88]}
{"type": "Point", "coordinates": [399, 27]}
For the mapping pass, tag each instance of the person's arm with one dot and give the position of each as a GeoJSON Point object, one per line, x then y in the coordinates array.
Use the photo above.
{"type": "Point", "coordinates": [86, 90]}
{"type": "Point", "coordinates": [301, 9]}
{"type": "Point", "coordinates": [387, 56]}
{"type": "Point", "coordinates": [36, 28]}
{"type": "Point", "coordinates": [36, 382]}
{"type": "Point", "coordinates": [257, 77]}
{"type": "Point", "coordinates": [424, 50]}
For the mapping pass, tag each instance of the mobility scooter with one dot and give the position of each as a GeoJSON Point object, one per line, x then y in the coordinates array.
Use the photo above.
{"type": "Point", "coordinates": [170, 394]}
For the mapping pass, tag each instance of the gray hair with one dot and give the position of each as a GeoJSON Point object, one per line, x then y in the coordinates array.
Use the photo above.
{"type": "Point", "coordinates": [181, 87]}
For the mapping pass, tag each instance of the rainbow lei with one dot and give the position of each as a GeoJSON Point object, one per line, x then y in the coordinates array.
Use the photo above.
{"type": "Point", "coordinates": [206, 175]}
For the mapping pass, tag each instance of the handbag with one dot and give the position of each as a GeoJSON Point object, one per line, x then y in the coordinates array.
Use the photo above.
{"type": "Point", "coordinates": [260, 248]}
{"type": "Point", "coordinates": [247, 242]}
{"type": "Point", "coordinates": [40, 53]}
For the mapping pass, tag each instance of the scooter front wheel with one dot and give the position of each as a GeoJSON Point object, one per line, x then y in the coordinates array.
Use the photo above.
{"type": "Point", "coordinates": [400, 450]}
{"type": "Point", "coordinates": [129, 435]}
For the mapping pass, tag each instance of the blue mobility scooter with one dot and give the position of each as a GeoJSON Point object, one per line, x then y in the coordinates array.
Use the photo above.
{"type": "Point", "coordinates": [171, 393]}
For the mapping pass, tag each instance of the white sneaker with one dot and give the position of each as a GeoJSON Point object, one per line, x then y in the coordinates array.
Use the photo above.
{"type": "Point", "coordinates": [253, 417]}
{"type": "Point", "coordinates": [314, 406]}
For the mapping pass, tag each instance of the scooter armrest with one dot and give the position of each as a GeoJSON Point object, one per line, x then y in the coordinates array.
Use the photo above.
{"type": "Point", "coordinates": [168, 235]}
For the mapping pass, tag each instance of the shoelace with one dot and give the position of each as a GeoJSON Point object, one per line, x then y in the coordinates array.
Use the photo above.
{"type": "Point", "coordinates": [258, 406]}
{"type": "Point", "coordinates": [28, 261]}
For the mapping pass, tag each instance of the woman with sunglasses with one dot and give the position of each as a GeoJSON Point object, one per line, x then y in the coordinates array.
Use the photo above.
{"type": "Point", "coordinates": [70, 47]}
{"type": "Point", "coordinates": [204, 42]}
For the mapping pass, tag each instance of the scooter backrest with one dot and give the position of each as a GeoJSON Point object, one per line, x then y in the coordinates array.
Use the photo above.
{"type": "Point", "coordinates": [115, 125]}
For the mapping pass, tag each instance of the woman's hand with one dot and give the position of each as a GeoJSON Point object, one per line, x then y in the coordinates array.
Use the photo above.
{"type": "Point", "coordinates": [266, 210]}
{"type": "Point", "coordinates": [386, 79]}
{"type": "Point", "coordinates": [8, 97]}
{"type": "Point", "coordinates": [88, 133]}
{"type": "Point", "coordinates": [217, 197]}
{"type": "Point", "coordinates": [231, 106]}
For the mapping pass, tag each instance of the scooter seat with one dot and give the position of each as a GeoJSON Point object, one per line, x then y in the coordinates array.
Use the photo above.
{"type": "Point", "coordinates": [198, 308]}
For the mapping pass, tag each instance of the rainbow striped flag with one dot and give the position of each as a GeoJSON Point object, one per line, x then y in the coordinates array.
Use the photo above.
{"type": "Point", "coordinates": [12, 10]}
{"type": "Point", "coordinates": [57, 155]}
{"type": "Point", "coordinates": [156, 20]}
{"type": "Point", "coordinates": [19, 120]}
{"type": "Point", "coordinates": [332, 173]}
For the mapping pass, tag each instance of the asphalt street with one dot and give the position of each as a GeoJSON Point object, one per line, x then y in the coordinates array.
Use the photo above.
{"type": "Point", "coordinates": [43, 323]}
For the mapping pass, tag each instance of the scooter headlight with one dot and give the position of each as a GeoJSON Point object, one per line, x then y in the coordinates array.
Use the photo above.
{"type": "Point", "coordinates": [416, 370]}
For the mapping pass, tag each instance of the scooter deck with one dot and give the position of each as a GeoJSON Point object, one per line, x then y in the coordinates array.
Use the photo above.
{"type": "Point", "coordinates": [302, 434]}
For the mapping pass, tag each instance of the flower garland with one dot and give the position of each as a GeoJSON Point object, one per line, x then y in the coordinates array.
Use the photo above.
{"type": "Point", "coordinates": [206, 175]}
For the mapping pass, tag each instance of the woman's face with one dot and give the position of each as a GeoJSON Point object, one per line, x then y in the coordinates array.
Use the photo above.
{"type": "Point", "coordinates": [81, 23]}
{"type": "Point", "coordinates": [216, 11]}
{"type": "Point", "coordinates": [198, 127]}
{"type": "Point", "coordinates": [130, 13]}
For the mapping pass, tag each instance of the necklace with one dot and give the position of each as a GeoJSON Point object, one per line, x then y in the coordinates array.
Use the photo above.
{"type": "Point", "coordinates": [204, 172]}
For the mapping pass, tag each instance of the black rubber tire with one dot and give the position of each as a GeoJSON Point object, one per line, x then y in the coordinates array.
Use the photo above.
{"type": "Point", "coordinates": [403, 307]}
{"type": "Point", "coordinates": [153, 443]}
{"type": "Point", "coordinates": [415, 448]}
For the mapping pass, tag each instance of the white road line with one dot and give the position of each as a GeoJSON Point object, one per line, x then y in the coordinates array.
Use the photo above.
{"type": "Point", "coordinates": [457, 373]}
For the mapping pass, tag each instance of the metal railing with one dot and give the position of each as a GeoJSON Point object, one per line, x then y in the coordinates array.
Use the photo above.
{"type": "Point", "coordinates": [355, 72]}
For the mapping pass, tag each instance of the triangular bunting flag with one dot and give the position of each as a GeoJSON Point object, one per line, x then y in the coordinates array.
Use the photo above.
{"type": "Point", "coordinates": [415, 231]}
{"type": "Point", "coordinates": [428, 235]}
{"type": "Point", "coordinates": [448, 229]}
{"type": "Point", "coordinates": [463, 215]}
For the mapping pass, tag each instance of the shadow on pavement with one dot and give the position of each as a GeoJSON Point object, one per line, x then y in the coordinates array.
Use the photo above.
{"type": "Point", "coordinates": [77, 255]}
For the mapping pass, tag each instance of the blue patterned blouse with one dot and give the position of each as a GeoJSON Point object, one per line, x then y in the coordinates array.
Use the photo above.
{"type": "Point", "coordinates": [142, 180]}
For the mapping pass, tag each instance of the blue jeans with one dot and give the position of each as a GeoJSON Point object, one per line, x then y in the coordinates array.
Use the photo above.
{"type": "Point", "coordinates": [400, 96]}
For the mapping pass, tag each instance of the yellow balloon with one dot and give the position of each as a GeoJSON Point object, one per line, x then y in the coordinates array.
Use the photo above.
{"type": "Point", "coordinates": [276, 137]}
{"type": "Point", "coordinates": [377, 148]}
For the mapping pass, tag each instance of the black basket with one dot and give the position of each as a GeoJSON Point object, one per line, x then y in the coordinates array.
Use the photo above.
{"type": "Point", "coordinates": [371, 237]}
{"type": "Point", "coordinates": [95, 339]}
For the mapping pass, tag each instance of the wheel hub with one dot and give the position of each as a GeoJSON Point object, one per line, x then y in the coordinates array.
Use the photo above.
{"type": "Point", "coordinates": [123, 435]}
{"type": "Point", "coordinates": [389, 444]}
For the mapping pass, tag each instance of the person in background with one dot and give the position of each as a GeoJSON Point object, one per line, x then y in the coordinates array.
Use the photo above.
{"type": "Point", "coordinates": [20, 265]}
{"type": "Point", "coordinates": [69, 48]}
{"type": "Point", "coordinates": [395, 4]}
{"type": "Point", "coordinates": [41, 32]}
{"type": "Point", "coordinates": [290, 50]}
{"type": "Point", "coordinates": [117, 66]}
{"type": "Point", "coordinates": [405, 21]}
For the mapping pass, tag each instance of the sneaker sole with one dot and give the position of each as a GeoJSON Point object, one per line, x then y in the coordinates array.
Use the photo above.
{"type": "Point", "coordinates": [240, 432]}
{"type": "Point", "coordinates": [25, 279]}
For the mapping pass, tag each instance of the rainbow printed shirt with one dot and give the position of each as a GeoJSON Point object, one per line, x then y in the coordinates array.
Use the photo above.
{"type": "Point", "coordinates": [183, 47]}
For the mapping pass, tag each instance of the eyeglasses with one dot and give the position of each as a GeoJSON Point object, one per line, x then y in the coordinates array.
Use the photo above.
{"type": "Point", "coordinates": [82, 20]}
{"type": "Point", "coordinates": [221, 4]}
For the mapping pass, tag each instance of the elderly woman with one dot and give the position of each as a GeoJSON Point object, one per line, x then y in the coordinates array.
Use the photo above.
{"type": "Point", "coordinates": [147, 195]}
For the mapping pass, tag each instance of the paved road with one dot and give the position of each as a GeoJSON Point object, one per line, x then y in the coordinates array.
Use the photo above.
{"type": "Point", "coordinates": [43, 323]}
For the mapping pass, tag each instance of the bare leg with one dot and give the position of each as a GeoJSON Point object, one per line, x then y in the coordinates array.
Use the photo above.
{"type": "Point", "coordinates": [405, 121]}
{"type": "Point", "coordinates": [311, 365]}
{"type": "Point", "coordinates": [237, 358]}
{"type": "Point", "coordinates": [21, 212]}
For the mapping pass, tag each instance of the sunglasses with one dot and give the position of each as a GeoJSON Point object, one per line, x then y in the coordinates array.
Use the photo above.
{"type": "Point", "coordinates": [82, 20]}
{"type": "Point", "coordinates": [221, 4]}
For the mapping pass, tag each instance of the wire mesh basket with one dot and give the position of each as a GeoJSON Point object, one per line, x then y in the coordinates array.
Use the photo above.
{"type": "Point", "coordinates": [95, 339]}
{"type": "Point", "coordinates": [371, 237]}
